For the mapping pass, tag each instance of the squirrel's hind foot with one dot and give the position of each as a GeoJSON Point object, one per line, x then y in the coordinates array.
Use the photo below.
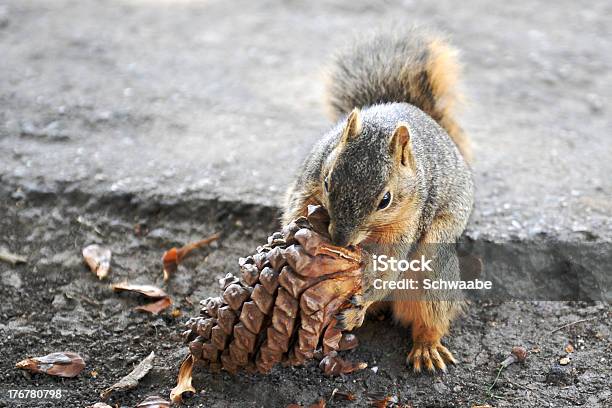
{"type": "Point", "coordinates": [432, 356]}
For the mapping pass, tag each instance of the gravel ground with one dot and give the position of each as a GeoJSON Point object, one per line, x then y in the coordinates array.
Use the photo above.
{"type": "Point", "coordinates": [189, 118]}
{"type": "Point", "coordinates": [56, 303]}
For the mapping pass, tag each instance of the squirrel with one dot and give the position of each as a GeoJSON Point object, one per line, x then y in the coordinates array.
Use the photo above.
{"type": "Point", "coordinates": [393, 174]}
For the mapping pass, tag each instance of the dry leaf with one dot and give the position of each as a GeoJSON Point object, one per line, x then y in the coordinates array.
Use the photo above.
{"type": "Point", "coordinates": [154, 402]}
{"type": "Point", "coordinates": [9, 257]}
{"type": "Point", "coordinates": [332, 365]}
{"type": "Point", "coordinates": [63, 364]}
{"type": "Point", "coordinates": [155, 307]}
{"type": "Point", "coordinates": [380, 400]}
{"type": "Point", "coordinates": [131, 380]}
{"type": "Point", "coordinates": [184, 381]}
{"type": "Point", "coordinates": [98, 259]}
{"type": "Point", "coordinates": [348, 342]}
{"type": "Point", "coordinates": [346, 396]}
{"type": "Point", "coordinates": [569, 348]}
{"type": "Point", "coordinates": [146, 290]}
{"type": "Point", "coordinates": [174, 256]}
{"type": "Point", "coordinates": [319, 404]}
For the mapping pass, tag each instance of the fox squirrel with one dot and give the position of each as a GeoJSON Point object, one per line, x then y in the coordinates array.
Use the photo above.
{"type": "Point", "coordinates": [393, 175]}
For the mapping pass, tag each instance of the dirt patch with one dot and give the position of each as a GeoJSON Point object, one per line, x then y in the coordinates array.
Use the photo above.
{"type": "Point", "coordinates": [55, 303]}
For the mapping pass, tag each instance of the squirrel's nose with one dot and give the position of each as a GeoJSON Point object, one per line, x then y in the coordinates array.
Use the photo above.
{"type": "Point", "coordinates": [338, 236]}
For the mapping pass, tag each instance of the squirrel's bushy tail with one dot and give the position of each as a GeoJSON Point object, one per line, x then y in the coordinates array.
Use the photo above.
{"type": "Point", "coordinates": [415, 67]}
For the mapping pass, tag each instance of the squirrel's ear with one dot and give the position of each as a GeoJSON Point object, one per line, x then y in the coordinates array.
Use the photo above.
{"type": "Point", "coordinates": [400, 146]}
{"type": "Point", "coordinates": [353, 126]}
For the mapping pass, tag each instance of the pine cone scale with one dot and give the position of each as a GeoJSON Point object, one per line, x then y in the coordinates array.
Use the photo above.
{"type": "Point", "coordinates": [282, 307]}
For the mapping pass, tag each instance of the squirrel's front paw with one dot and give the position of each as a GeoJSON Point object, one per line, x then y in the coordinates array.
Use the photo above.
{"type": "Point", "coordinates": [353, 316]}
{"type": "Point", "coordinates": [431, 355]}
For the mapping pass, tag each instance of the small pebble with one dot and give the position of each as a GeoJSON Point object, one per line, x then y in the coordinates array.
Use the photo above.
{"type": "Point", "coordinates": [558, 375]}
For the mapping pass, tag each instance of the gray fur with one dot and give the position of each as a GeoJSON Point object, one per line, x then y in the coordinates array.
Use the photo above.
{"type": "Point", "coordinates": [388, 67]}
{"type": "Point", "coordinates": [372, 77]}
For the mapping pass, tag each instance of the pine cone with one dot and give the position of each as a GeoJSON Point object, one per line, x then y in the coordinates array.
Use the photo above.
{"type": "Point", "coordinates": [283, 306]}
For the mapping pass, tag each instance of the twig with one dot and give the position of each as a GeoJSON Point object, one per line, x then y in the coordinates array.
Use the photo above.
{"type": "Point", "coordinates": [501, 397]}
{"type": "Point", "coordinates": [501, 367]}
{"type": "Point", "coordinates": [174, 256]}
{"type": "Point", "coordinates": [131, 380]}
{"type": "Point", "coordinates": [573, 323]}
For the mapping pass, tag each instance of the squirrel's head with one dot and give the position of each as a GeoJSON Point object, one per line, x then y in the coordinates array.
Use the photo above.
{"type": "Point", "coordinates": [367, 181]}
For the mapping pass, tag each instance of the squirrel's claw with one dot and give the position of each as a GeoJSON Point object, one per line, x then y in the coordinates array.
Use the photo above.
{"type": "Point", "coordinates": [431, 356]}
{"type": "Point", "coordinates": [357, 301]}
{"type": "Point", "coordinates": [352, 317]}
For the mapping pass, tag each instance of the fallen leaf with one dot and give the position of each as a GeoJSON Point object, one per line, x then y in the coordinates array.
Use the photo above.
{"type": "Point", "coordinates": [148, 291]}
{"type": "Point", "coordinates": [94, 374]}
{"type": "Point", "coordinates": [155, 307]}
{"type": "Point", "coordinates": [174, 256]}
{"type": "Point", "coordinates": [176, 313]}
{"type": "Point", "coordinates": [379, 400]}
{"type": "Point", "coordinates": [569, 348]}
{"type": "Point", "coordinates": [63, 364]}
{"type": "Point", "coordinates": [131, 380]}
{"type": "Point", "coordinates": [319, 404]}
{"type": "Point", "coordinates": [11, 258]}
{"type": "Point", "coordinates": [564, 361]}
{"type": "Point", "coordinates": [184, 380]}
{"type": "Point", "coordinates": [145, 290]}
{"type": "Point", "coordinates": [98, 259]}
{"type": "Point", "coordinates": [348, 342]}
{"type": "Point", "coordinates": [332, 365]}
{"type": "Point", "coordinates": [170, 261]}
{"type": "Point", "coordinates": [346, 396]}
{"type": "Point", "coordinates": [154, 402]}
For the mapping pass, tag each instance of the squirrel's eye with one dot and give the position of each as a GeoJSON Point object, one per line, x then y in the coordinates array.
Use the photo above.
{"type": "Point", "coordinates": [326, 184]}
{"type": "Point", "coordinates": [386, 200]}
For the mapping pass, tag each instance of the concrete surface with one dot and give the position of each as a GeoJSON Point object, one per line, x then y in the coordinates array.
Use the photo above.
{"type": "Point", "coordinates": [190, 117]}
{"type": "Point", "coordinates": [207, 100]}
